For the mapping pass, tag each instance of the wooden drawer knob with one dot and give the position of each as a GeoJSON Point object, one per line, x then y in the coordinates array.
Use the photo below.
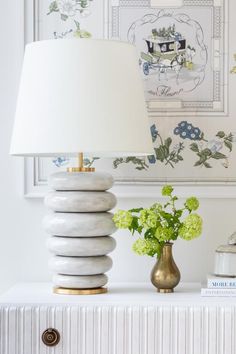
{"type": "Point", "coordinates": [51, 337]}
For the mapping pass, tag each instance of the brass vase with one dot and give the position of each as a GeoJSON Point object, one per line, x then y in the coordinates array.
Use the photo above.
{"type": "Point", "coordinates": [165, 275]}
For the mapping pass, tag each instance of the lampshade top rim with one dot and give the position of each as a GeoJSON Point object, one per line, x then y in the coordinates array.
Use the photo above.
{"type": "Point", "coordinates": [78, 40]}
{"type": "Point", "coordinates": [104, 154]}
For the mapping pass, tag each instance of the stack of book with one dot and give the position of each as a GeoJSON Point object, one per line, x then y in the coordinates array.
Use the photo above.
{"type": "Point", "coordinates": [219, 286]}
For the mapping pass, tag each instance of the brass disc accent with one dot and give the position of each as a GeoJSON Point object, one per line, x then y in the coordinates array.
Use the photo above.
{"type": "Point", "coordinates": [80, 169]}
{"type": "Point", "coordinates": [51, 337]}
{"type": "Point", "coordinates": [65, 291]}
{"type": "Point", "coordinates": [165, 291]}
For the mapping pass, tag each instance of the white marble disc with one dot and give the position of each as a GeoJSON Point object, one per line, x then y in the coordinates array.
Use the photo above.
{"type": "Point", "coordinates": [82, 246]}
{"type": "Point", "coordinates": [79, 224]}
{"type": "Point", "coordinates": [80, 265]}
{"type": "Point", "coordinates": [78, 201]}
{"type": "Point", "coordinates": [80, 181]}
{"type": "Point", "coordinates": [79, 281]}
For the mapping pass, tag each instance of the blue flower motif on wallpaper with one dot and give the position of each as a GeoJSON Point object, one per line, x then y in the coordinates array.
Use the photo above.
{"type": "Point", "coordinates": [152, 159]}
{"type": "Point", "coordinates": [60, 161]}
{"type": "Point", "coordinates": [63, 161]}
{"type": "Point", "coordinates": [187, 131]}
{"type": "Point", "coordinates": [154, 132]}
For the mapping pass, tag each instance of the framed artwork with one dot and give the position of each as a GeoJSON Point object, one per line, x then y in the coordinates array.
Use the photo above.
{"type": "Point", "coordinates": [181, 53]}
{"type": "Point", "coordinates": [186, 57]}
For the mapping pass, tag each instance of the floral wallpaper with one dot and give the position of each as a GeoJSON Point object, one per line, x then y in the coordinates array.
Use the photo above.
{"type": "Point", "coordinates": [204, 149]}
{"type": "Point", "coordinates": [168, 150]}
{"type": "Point", "coordinates": [69, 10]}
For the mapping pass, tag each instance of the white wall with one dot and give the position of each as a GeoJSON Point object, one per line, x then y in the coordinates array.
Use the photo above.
{"type": "Point", "coordinates": [23, 256]}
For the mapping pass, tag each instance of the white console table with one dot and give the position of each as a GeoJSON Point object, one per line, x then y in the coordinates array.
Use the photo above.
{"type": "Point", "coordinates": [130, 319]}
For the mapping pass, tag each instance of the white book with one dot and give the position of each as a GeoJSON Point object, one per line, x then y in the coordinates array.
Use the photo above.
{"type": "Point", "coordinates": [218, 292]}
{"type": "Point", "coordinates": [215, 282]}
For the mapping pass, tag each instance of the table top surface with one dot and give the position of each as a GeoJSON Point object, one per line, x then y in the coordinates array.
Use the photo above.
{"type": "Point", "coordinates": [123, 294]}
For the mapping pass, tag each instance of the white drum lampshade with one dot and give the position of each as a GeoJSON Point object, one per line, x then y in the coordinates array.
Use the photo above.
{"type": "Point", "coordinates": [80, 95]}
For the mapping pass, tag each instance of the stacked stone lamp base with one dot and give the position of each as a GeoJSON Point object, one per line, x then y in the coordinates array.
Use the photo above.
{"type": "Point", "coordinates": [80, 224]}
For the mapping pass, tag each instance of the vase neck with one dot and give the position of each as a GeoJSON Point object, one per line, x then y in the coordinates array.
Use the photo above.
{"type": "Point", "coordinates": [167, 250]}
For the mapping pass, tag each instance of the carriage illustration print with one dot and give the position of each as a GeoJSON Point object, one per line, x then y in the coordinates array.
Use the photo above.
{"type": "Point", "coordinates": [173, 55]}
{"type": "Point", "coordinates": [167, 50]}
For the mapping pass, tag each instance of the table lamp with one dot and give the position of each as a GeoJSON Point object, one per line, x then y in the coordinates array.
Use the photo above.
{"type": "Point", "coordinates": [80, 96]}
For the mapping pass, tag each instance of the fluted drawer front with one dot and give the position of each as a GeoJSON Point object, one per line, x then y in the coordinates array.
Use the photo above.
{"type": "Point", "coordinates": [119, 330]}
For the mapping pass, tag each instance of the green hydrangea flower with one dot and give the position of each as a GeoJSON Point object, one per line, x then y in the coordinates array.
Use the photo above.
{"type": "Point", "coordinates": [148, 218]}
{"type": "Point", "coordinates": [164, 234]}
{"type": "Point", "coordinates": [123, 219]}
{"type": "Point", "coordinates": [192, 203]}
{"type": "Point", "coordinates": [167, 190]}
{"type": "Point", "coordinates": [157, 207]}
{"type": "Point", "coordinates": [192, 227]}
{"type": "Point", "coordinates": [144, 247]}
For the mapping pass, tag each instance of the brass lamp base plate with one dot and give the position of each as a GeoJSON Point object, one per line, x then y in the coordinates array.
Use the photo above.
{"type": "Point", "coordinates": [65, 291]}
{"type": "Point", "coordinates": [80, 169]}
{"type": "Point", "coordinates": [165, 291]}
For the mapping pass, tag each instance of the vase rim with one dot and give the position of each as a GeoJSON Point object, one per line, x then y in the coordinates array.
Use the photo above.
{"type": "Point", "coordinates": [168, 243]}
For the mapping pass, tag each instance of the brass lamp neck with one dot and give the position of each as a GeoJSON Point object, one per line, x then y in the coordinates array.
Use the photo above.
{"type": "Point", "coordinates": [80, 167]}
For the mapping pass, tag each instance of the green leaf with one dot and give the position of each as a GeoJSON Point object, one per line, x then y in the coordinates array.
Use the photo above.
{"type": "Point", "coordinates": [135, 226]}
{"type": "Point", "coordinates": [206, 152]}
{"type": "Point", "coordinates": [198, 163]}
{"type": "Point", "coordinates": [179, 213]}
{"type": "Point", "coordinates": [147, 234]}
{"type": "Point", "coordinates": [180, 158]}
{"type": "Point", "coordinates": [194, 147]}
{"type": "Point", "coordinates": [53, 7]}
{"type": "Point", "coordinates": [135, 210]}
{"type": "Point", "coordinates": [202, 136]}
{"type": "Point", "coordinates": [220, 134]}
{"type": "Point", "coordinates": [168, 142]}
{"type": "Point", "coordinates": [64, 17]}
{"type": "Point", "coordinates": [134, 223]}
{"type": "Point", "coordinates": [166, 151]}
{"type": "Point", "coordinates": [159, 154]}
{"type": "Point", "coordinates": [218, 156]}
{"type": "Point", "coordinates": [230, 137]}
{"type": "Point", "coordinates": [202, 159]}
{"type": "Point", "coordinates": [117, 162]}
{"type": "Point", "coordinates": [140, 229]}
{"type": "Point", "coordinates": [229, 145]}
{"type": "Point", "coordinates": [207, 165]}
{"type": "Point", "coordinates": [77, 24]}
{"type": "Point", "coordinates": [84, 3]}
{"type": "Point", "coordinates": [172, 155]}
